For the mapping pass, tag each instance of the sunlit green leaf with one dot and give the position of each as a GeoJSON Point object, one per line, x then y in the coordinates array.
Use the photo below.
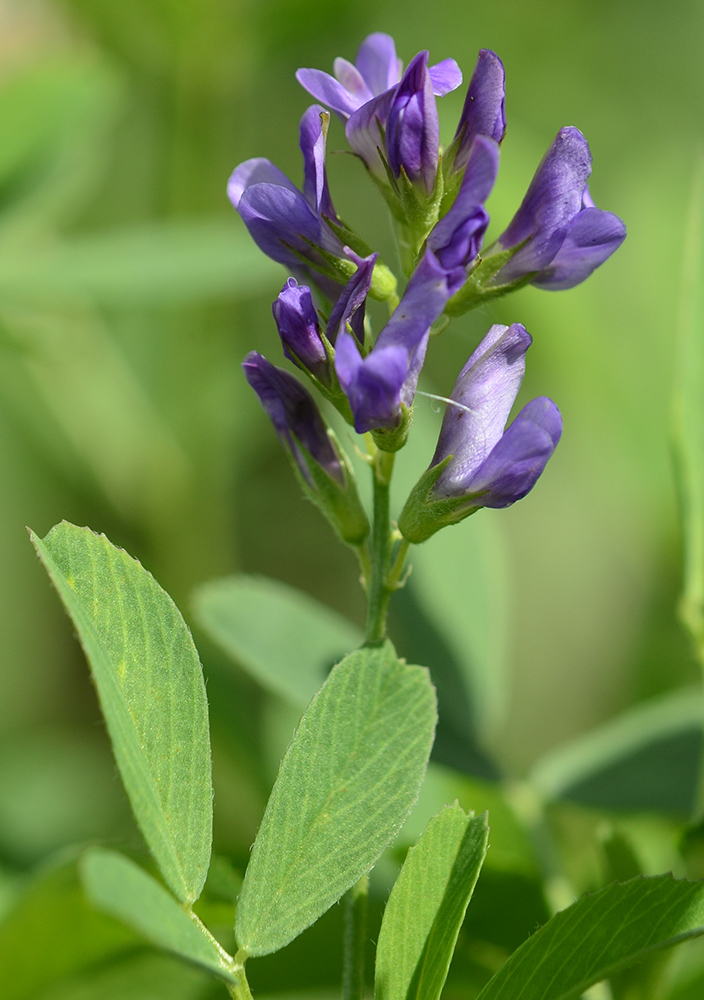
{"type": "Point", "coordinates": [427, 905]}
{"type": "Point", "coordinates": [151, 690]}
{"type": "Point", "coordinates": [121, 888]}
{"type": "Point", "coordinates": [599, 935]}
{"type": "Point", "coordinates": [52, 932]}
{"type": "Point", "coordinates": [346, 784]}
{"type": "Point", "coordinates": [645, 758]}
{"type": "Point", "coordinates": [285, 639]}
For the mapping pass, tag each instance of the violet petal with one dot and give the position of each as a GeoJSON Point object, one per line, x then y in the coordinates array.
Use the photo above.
{"type": "Point", "coordinates": [516, 462]}
{"type": "Point", "coordinates": [457, 238]}
{"type": "Point", "coordinates": [294, 414]}
{"type": "Point", "coordinates": [445, 77]}
{"type": "Point", "coordinates": [553, 199]}
{"type": "Point", "coordinates": [593, 235]}
{"type": "Point", "coordinates": [378, 63]}
{"type": "Point", "coordinates": [350, 307]}
{"type": "Point", "coordinates": [328, 91]}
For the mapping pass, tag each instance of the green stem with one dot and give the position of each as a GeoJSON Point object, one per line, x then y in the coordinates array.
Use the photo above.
{"type": "Point", "coordinates": [380, 544]}
{"type": "Point", "coordinates": [354, 940]}
{"type": "Point", "coordinates": [240, 990]}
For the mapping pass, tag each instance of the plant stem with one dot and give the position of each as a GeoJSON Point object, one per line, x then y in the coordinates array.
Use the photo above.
{"type": "Point", "coordinates": [379, 592]}
{"type": "Point", "coordinates": [354, 940]}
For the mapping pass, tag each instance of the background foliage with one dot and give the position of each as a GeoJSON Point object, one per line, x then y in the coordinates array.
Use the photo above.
{"type": "Point", "coordinates": [129, 292]}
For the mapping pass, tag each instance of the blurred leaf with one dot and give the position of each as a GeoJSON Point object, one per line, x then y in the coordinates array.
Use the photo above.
{"type": "Point", "coordinates": [599, 935]}
{"type": "Point", "coordinates": [688, 413]}
{"type": "Point", "coordinates": [65, 371]}
{"type": "Point", "coordinates": [52, 932]}
{"type": "Point", "coordinates": [284, 638]}
{"type": "Point", "coordinates": [427, 906]}
{"type": "Point", "coordinates": [460, 577]}
{"type": "Point", "coordinates": [137, 977]}
{"type": "Point", "coordinates": [57, 787]}
{"type": "Point", "coordinates": [460, 581]}
{"type": "Point", "coordinates": [346, 784]}
{"type": "Point", "coordinates": [151, 690]}
{"type": "Point", "coordinates": [118, 886]}
{"type": "Point", "coordinates": [54, 119]}
{"type": "Point", "coordinates": [162, 263]}
{"type": "Point", "coordinates": [646, 758]}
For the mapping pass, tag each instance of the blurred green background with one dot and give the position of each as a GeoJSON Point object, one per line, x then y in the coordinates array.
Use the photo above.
{"type": "Point", "coordinates": [130, 292]}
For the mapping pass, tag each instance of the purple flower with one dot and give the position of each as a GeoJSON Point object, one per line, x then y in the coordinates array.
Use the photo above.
{"type": "Point", "coordinates": [565, 236]}
{"type": "Point", "coordinates": [291, 226]}
{"type": "Point", "coordinates": [499, 466]}
{"type": "Point", "coordinates": [302, 337]}
{"type": "Point", "coordinates": [384, 381]}
{"type": "Point", "coordinates": [320, 465]}
{"type": "Point", "coordinates": [377, 70]}
{"type": "Point", "coordinates": [457, 238]}
{"type": "Point", "coordinates": [363, 95]}
{"type": "Point", "coordinates": [412, 128]}
{"type": "Point", "coordinates": [484, 109]}
{"type": "Point", "coordinates": [477, 463]}
{"type": "Point", "coordinates": [295, 416]}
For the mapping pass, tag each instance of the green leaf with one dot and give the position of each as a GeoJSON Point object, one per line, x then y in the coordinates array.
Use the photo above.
{"type": "Point", "coordinates": [151, 690]}
{"type": "Point", "coordinates": [460, 577]}
{"type": "Point", "coordinates": [51, 933]}
{"type": "Point", "coordinates": [427, 905]}
{"type": "Point", "coordinates": [688, 413]}
{"type": "Point", "coordinates": [175, 262]}
{"type": "Point", "coordinates": [598, 936]}
{"type": "Point", "coordinates": [118, 886]}
{"type": "Point", "coordinates": [346, 784]}
{"type": "Point", "coordinates": [285, 639]}
{"type": "Point", "coordinates": [145, 976]}
{"type": "Point", "coordinates": [645, 758]}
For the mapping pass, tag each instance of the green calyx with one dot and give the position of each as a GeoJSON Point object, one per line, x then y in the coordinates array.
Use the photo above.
{"type": "Point", "coordinates": [477, 289]}
{"type": "Point", "coordinates": [423, 515]}
{"type": "Point", "coordinates": [393, 438]}
{"type": "Point", "coordinates": [383, 287]}
{"type": "Point", "coordinates": [338, 501]}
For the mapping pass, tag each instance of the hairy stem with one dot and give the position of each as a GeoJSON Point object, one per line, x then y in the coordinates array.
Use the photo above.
{"type": "Point", "coordinates": [354, 940]}
{"type": "Point", "coordinates": [379, 593]}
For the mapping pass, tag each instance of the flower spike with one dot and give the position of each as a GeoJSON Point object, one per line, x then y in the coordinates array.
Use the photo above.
{"type": "Point", "coordinates": [477, 463]}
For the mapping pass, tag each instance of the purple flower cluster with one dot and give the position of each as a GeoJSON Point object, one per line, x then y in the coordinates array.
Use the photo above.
{"type": "Point", "coordinates": [438, 199]}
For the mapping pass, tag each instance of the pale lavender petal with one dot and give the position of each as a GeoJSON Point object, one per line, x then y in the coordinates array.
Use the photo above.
{"type": "Point", "coordinates": [445, 77]}
{"type": "Point", "coordinates": [295, 417]}
{"type": "Point", "coordinates": [412, 130]}
{"type": "Point", "coordinates": [486, 390]}
{"type": "Point", "coordinates": [372, 385]}
{"type": "Point", "coordinates": [484, 107]}
{"type": "Point", "coordinates": [365, 131]}
{"type": "Point", "coordinates": [256, 171]}
{"type": "Point", "coordinates": [457, 238]}
{"type": "Point", "coordinates": [313, 133]}
{"type": "Point", "coordinates": [551, 202]}
{"type": "Point", "coordinates": [378, 63]}
{"type": "Point", "coordinates": [592, 237]}
{"type": "Point", "coordinates": [350, 307]}
{"type": "Point", "coordinates": [329, 91]}
{"type": "Point", "coordinates": [517, 461]}
{"type": "Point", "coordinates": [353, 81]}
